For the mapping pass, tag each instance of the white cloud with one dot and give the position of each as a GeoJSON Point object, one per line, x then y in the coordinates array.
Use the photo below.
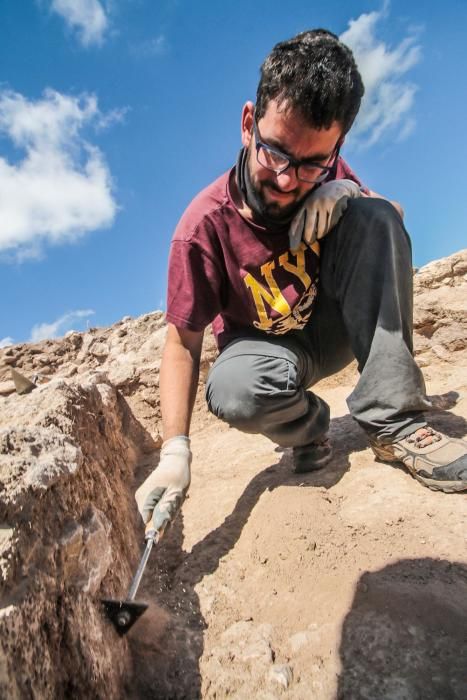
{"type": "Point", "coordinates": [389, 96]}
{"type": "Point", "coordinates": [87, 17]}
{"type": "Point", "coordinates": [44, 331]}
{"type": "Point", "coordinates": [5, 342]}
{"type": "Point", "coordinates": [156, 46]}
{"type": "Point", "coordinates": [62, 187]}
{"type": "Point", "coordinates": [115, 116]}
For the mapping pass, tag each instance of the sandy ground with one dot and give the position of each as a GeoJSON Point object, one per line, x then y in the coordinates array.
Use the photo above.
{"type": "Point", "coordinates": [347, 583]}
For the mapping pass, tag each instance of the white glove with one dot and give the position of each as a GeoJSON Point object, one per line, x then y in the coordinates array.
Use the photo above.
{"type": "Point", "coordinates": [161, 495]}
{"type": "Point", "coordinates": [321, 211]}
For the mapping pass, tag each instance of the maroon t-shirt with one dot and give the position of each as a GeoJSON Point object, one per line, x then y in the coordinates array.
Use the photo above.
{"type": "Point", "coordinates": [238, 275]}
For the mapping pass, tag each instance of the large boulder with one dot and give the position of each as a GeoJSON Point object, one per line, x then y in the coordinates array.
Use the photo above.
{"type": "Point", "coordinates": [68, 536]}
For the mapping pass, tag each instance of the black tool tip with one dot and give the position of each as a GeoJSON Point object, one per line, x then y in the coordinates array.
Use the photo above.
{"type": "Point", "coordinates": [123, 613]}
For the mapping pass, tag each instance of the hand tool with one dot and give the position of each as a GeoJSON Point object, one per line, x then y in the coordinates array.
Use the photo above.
{"type": "Point", "coordinates": [124, 613]}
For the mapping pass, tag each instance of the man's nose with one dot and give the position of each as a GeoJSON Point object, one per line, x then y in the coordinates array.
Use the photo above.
{"type": "Point", "coordinates": [287, 180]}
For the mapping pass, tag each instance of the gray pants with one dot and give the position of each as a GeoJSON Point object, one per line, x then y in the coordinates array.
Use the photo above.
{"type": "Point", "coordinates": [364, 311]}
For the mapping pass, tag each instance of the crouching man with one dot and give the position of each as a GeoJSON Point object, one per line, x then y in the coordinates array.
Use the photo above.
{"type": "Point", "coordinates": [300, 269]}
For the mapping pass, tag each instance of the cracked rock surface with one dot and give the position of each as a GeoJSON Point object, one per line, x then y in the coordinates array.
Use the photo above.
{"type": "Point", "coordinates": [67, 532]}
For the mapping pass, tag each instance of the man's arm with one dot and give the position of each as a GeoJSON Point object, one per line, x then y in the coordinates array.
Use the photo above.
{"type": "Point", "coordinates": [160, 496]}
{"type": "Point", "coordinates": [179, 379]}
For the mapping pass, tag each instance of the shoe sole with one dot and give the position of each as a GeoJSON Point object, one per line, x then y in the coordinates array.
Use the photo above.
{"type": "Point", "coordinates": [314, 466]}
{"type": "Point", "coordinates": [436, 485]}
{"type": "Point", "coordinates": [433, 484]}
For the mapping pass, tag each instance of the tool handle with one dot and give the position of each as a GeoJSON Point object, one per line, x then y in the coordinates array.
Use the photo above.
{"type": "Point", "coordinates": [151, 532]}
{"type": "Point", "coordinates": [152, 536]}
{"type": "Point", "coordinates": [139, 573]}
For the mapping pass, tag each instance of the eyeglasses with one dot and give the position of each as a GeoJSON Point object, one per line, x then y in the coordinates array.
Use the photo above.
{"type": "Point", "coordinates": [306, 170]}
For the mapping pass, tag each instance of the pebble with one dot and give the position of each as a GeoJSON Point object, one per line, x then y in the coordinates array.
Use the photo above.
{"type": "Point", "coordinates": [282, 674]}
{"type": "Point", "coordinates": [299, 640]}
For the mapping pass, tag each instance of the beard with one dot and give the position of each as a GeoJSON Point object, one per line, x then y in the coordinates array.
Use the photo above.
{"type": "Point", "coordinates": [255, 192]}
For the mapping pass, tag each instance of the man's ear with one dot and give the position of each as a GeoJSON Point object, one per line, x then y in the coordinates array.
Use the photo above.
{"type": "Point", "coordinates": [248, 113]}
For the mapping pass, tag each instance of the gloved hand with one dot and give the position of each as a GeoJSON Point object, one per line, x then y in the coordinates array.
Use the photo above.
{"type": "Point", "coordinates": [321, 210]}
{"type": "Point", "coordinates": [161, 495]}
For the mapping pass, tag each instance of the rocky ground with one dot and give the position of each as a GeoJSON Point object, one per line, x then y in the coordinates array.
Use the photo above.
{"type": "Point", "coordinates": [349, 583]}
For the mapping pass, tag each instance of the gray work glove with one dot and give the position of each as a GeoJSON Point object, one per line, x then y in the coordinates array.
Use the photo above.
{"type": "Point", "coordinates": [321, 210]}
{"type": "Point", "coordinates": [161, 495]}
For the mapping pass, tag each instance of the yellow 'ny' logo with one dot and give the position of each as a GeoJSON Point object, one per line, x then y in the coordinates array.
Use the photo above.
{"type": "Point", "coordinates": [272, 295]}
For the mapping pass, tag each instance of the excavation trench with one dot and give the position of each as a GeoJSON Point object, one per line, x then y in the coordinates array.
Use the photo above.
{"type": "Point", "coordinates": [69, 534]}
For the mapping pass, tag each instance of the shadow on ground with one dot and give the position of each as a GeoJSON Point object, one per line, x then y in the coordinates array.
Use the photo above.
{"type": "Point", "coordinates": [405, 636]}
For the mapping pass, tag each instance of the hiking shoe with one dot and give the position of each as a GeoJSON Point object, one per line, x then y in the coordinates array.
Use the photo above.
{"type": "Point", "coordinates": [311, 457]}
{"type": "Point", "coordinates": [434, 459]}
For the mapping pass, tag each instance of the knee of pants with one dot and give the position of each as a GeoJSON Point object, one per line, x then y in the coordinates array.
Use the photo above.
{"type": "Point", "coordinates": [242, 391]}
{"type": "Point", "coordinates": [379, 216]}
{"type": "Point", "coordinates": [373, 207]}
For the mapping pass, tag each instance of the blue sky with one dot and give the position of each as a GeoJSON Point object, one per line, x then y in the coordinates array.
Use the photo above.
{"type": "Point", "coordinates": [114, 114]}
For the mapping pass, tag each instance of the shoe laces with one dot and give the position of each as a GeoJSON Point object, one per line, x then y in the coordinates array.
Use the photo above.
{"type": "Point", "coordinates": [424, 437]}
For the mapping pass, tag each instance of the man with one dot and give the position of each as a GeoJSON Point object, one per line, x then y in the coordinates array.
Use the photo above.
{"type": "Point", "coordinates": [300, 270]}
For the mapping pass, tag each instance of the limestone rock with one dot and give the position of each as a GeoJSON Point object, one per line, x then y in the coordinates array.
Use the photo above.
{"type": "Point", "coordinates": [440, 310]}
{"type": "Point", "coordinates": [248, 642]}
{"type": "Point", "coordinates": [68, 526]}
{"type": "Point", "coordinates": [299, 640]}
{"type": "Point", "coordinates": [282, 674]}
{"type": "Point", "coordinates": [7, 388]}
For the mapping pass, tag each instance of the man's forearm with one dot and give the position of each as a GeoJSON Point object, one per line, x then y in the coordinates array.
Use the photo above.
{"type": "Point", "coordinates": [178, 384]}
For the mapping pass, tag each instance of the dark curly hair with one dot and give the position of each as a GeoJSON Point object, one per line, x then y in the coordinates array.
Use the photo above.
{"type": "Point", "coordinates": [315, 74]}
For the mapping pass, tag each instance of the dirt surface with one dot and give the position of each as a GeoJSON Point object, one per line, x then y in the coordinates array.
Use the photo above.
{"type": "Point", "coordinates": [350, 583]}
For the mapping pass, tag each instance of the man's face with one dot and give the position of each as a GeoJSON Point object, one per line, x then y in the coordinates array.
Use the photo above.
{"type": "Point", "coordinates": [285, 130]}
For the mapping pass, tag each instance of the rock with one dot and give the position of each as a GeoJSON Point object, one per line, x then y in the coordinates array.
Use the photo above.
{"type": "Point", "coordinates": [6, 537]}
{"type": "Point", "coordinates": [282, 674]}
{"type": "Point", "coordinates": [99, 349]}
{"type": "Point", "coordinates": [299, 640]}
{"type": "Point", "coordinates": [70, 371]}
{"type": "Point", "coordinates": [86, 551]}
{"type": "Point", "coordinates": [447, 272]}
{"type": "Point", "coordinates": [68, 527]}
{"type": "Point", "coordinates": [249, 642]}
{"type": "Point", "coordinates": [442, 353]}
{"type": "Point", "coordinates": [440, 314]}
{"type": "Point", "coordinates": [7, 388]}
